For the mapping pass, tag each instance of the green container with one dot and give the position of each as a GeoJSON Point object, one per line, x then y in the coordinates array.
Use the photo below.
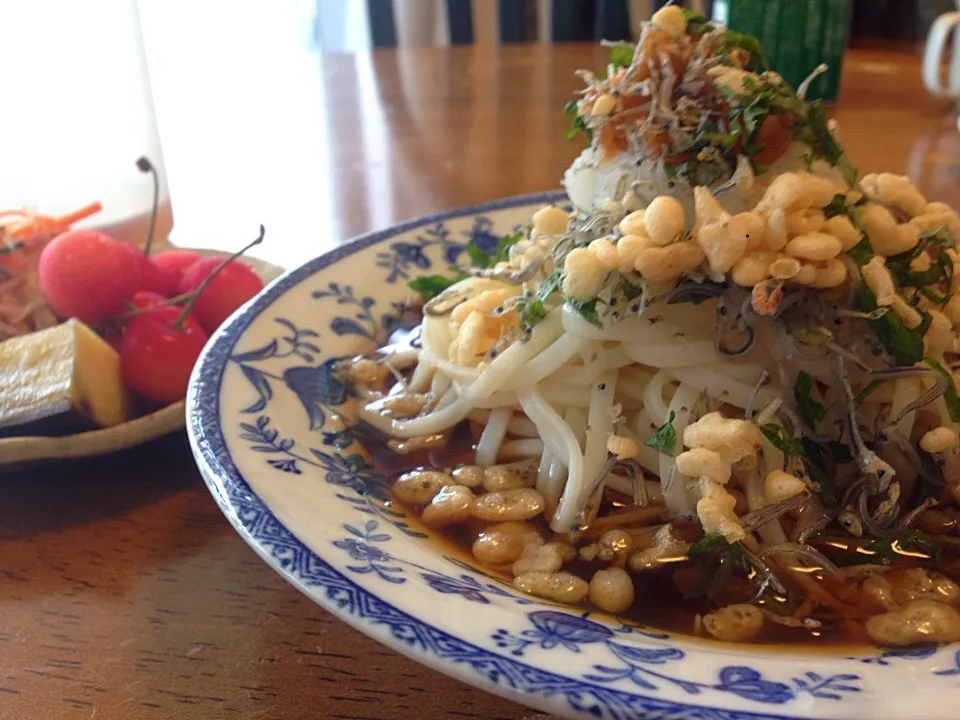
{"type": "Point", "coordinates": [797, 35]}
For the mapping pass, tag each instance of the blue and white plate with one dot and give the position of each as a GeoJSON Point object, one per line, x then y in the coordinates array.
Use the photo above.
{"type": "Point", "coordinates": [264, 416]}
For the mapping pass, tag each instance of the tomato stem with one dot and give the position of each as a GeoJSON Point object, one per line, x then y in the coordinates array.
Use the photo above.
{"type": "Point", "coordinates": [195, 293]}
{"type": "Point", "coordinates": [135, 310]}
{"type": "Point", "coordinates": [145, 166]}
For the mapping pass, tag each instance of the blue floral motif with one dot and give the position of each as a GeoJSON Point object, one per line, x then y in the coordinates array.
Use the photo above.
{"type": "Point", "coordinates": [917, 652]}
{"type": "Point", "coordinates": [639, 664]}
{"type": "Point", "coordinates": [404, 257]}
{"type": "Point", "coordinates": [373, 558]}
{"type": "Point", "coordinates": [955, 670]}
{"type": "Point", "coordinates": [318, 388]}
{"type": "Point", "coordinates": [467, 587]}
{"type": "Point", "coordinates": [362, 323]}
{"type": "Point", "coordinates": [748, 683]}
{"type": "Point", "coordinates": [299, 343]}
{"type": "Point", "coordinates": [288, 466]}
{"type": "Point", "coordinates": [482, 234]}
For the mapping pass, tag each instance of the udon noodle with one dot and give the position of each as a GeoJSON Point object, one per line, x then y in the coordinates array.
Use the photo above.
{"type": "Point", "coordinates": [726, 371]}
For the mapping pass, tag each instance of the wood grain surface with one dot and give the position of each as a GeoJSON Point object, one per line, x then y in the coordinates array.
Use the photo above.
{"type": "Point", "coordinates": [124, 593]}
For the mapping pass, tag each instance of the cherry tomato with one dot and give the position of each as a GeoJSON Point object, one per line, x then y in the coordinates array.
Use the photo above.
{"type": "Point", "coordinates": [148, 275]}
{"type": "Point", "coordinates": [157, 356]}
{"type": "Point", "coordinates": [143, 299]}
{"type": "Point", "coordinates": [228, 289]}
{"type": "Point", "coordinates": [172, 264]}
{"type": "Point", "coordinates": [140, 300]}
{"type": "Point", "coordinates": [86, 274]}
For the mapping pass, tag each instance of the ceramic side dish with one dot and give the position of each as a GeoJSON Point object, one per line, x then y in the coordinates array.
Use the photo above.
{"type": "Point", "coordinates": [22, 450]}
{"type": "Point", "coordinates": [265, 422]}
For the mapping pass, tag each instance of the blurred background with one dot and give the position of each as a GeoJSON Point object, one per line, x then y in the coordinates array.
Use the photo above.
{"type": "Point", "coordinates": [203, 87]}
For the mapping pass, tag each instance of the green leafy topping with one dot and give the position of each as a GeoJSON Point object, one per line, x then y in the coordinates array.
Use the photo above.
{"type": "Point", "coordinates": [550, 284]}
{"type": "Point", "coordinates": [837, 206]}
{"type": "Point", "coordinates": [757, 61]}
{"type": "Point", "coordinates": [502, 253]}
{"type": "Point", "coordinates": [697, 24]}
{"type": "Point", "coordinates": [533, 311]}
{"type": "Point", "coordinates": [621, 54]}
{"type": "Point", "coordinates": [530, 312]}
{"type": "Point", "coordinates": [587, 310]}
{"type": "Point", "coordinates": [707, 543]}
{"type": "Point", "coordinates": [904, 344]}
{"type": "Point", "coordinates": [862, 251]}
{"type": "Point", "coordinates": [577, 123]}
{"type": "Point", "coordinates": [913, 543]}
{"type": "Point", "coordinates": [867, 389]}
{"type": "Point", "coordinates": [429, 286]}
{"type": "Point", "coordinates": [811, 411]}
{"type": "Point", "coordinates": [814, 461]}
{"type": "Point", "coordinates": [950, 398]}
{"type": "Point", "coordinates": [816, 132]}
{"type": "Point", "coordinates": [936, 277]}
{"type": "Point", "coordinates": [665, 439]}
{"type": "Point", "coordinates": [808, 125]}
{"type": "Point", "coordinates": [478, 258]}
{"type": "Point", "coordinates": [779, 439]}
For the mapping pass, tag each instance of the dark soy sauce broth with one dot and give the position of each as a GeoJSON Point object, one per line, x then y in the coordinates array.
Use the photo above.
{"type": "Point", "coordinates": [660, 604]}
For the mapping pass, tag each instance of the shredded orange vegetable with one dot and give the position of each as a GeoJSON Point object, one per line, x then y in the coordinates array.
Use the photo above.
{"type": "Point", "coordinates": [23, 235]}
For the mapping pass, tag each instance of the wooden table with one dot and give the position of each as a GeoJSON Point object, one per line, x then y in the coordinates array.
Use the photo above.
{"type": "Point", "coordinates": [123, 591]}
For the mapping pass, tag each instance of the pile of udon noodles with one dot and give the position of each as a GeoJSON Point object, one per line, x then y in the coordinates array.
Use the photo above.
{"type": "Point", "coordinates": [650, 378]}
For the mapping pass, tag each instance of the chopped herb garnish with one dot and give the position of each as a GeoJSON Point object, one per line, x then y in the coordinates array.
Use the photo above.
{"type": "Point", "coordinates": [779, 439]}
{"type": "Point", "coordinates": [904, 344]}
{"type": "Point", "coordinates": [862, 251]}
{"type": "Point", "coordinates": [550, 284]}
{"type": "Point", "coordinates": [808, 124]}
{"type": "Point", "coordinates": [577, 123]}
{"type": "Point", "coordinates": [621, 54]}
{"type": "Point", "coordinates": [429, 286]}
{"type": "Point", "coordinates": [587, 310]}
{"type": "Point", "coordinates": [732, 38]}
{"type": "Point", "coordinates": [533, 311]}
{"type": "Point", "coordinates": [697, 24]}
{"type": "Point", "coordinates": [478, 258]}
{"type": "Point", "coordinates": [837, 451]}
{"type": "Point", "coordinates": [707, 543]}
{"type": "Point", "coordinates": [883, 551]}
{"type": "Point", "coordinates": [824, 144]}
{"type": "Point", "coordinates": [950, 398]}
{"type": "Point", "coordinates": [815, 464]}
{"type": "Point", "coordinates": [502, 253]}
{"type": "Point", "coordinates": [867, 389]}
{"type": "Point", "coordinates": [837, 206]}
{"type": "Point", "coordinates": [811, 411]}
{"type": "Point", "coordinates": [934, 279]}
{"type": "Point", "coordinates": [530, 312]}
{"type": "Point", "coordinates": [720, 139]}
{"type": "Point", "coordinates": [665, 439]}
